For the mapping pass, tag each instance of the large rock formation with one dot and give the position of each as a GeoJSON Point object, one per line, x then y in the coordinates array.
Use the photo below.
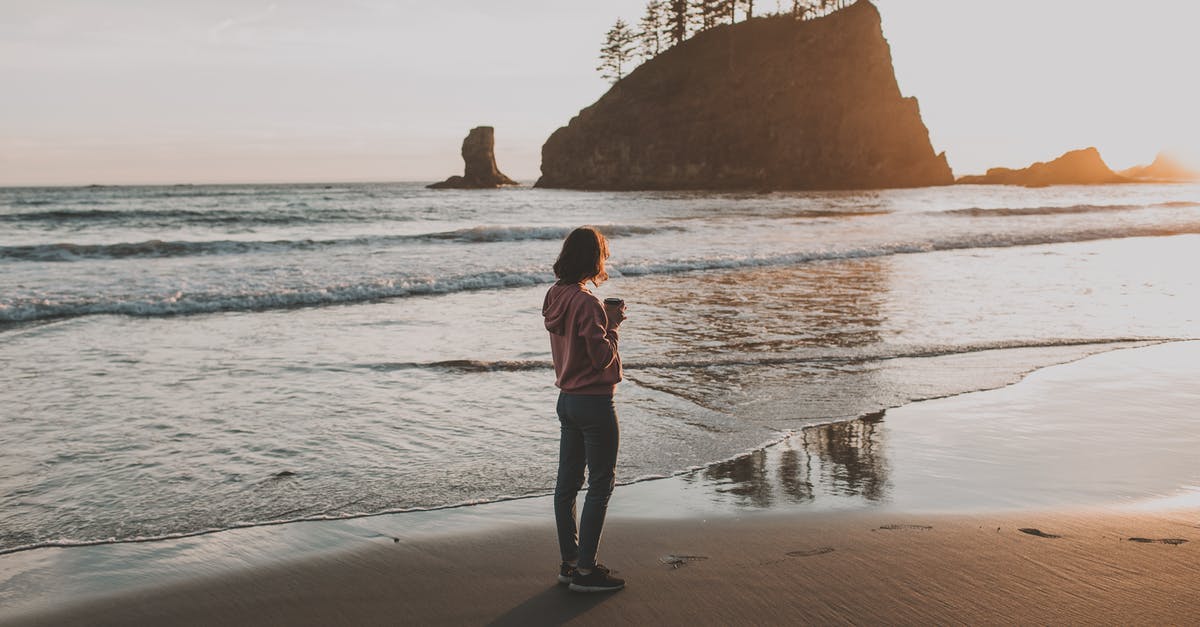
{"type": "Point", "coordinates": [1078, 167]}
{"type": "Point", "coordinates": [480, 172]}
{"type": "Point", "coordinates": [768, 103]}
{"type": "Point", "coordinates": [1164, 169]}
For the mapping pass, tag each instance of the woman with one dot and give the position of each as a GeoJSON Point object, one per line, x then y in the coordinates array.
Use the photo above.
{"type": "Point", "coordinates": [583, 340]}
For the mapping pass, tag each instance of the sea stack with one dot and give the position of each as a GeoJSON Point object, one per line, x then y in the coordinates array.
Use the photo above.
{"type": "Point", "coordinates": [1077, 167]}
{"type": "Point", "coordinates": [479, 157]}
{"type": "Point", "coordinates": [767, 103]}
{"type": "Point", "coordinates": [1165, 169]}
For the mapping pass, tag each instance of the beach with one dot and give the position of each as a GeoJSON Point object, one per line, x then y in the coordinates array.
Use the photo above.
{"type": "Point", "coordinates": [820, 569]}
{"type": "Point", "coordinates": [318, 314]}
{"type": "Point", "coordinates": [1118, 547]}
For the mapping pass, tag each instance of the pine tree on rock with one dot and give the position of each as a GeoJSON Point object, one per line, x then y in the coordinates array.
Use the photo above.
{"type": "Point", "coordinates": [678, 19]}
{"type": "Point", "coordinates": [652, 36]}
{"type": "Point", "coordinates": [620, 44]}
{"type": "Point", "coordinates": [709, 12]}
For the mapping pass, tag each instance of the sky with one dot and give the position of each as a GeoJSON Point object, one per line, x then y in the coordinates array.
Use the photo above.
{"type": "Point", "coordinates": [186, 91]}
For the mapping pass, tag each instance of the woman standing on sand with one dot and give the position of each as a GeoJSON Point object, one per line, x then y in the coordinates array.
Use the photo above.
{"type": "Point", "coordinates": [583, 341]}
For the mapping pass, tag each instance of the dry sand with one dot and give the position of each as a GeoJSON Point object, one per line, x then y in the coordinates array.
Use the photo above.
{"type": "Point", "coordinates": [865, 567]}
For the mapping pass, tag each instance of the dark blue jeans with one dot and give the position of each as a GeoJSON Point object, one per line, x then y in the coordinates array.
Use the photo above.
{"type": "Point", "coordinates": [590, 436]}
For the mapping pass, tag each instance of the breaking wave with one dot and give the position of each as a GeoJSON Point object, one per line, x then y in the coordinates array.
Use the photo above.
{"type": "Point", "coordinates": [828, 355]}
{"type": "Point", "coordinates": [183, 303]}
{"type": "Point", "coordinates": [977, 212]}
{"type": "Point", "coordinates": [159, 248]}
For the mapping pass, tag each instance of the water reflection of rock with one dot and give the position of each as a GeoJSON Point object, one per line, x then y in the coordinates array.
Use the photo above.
{"type": "Point", "coordinates": [842, 459]}
{"type": "Point", "coordinates": [828, 303]}
{"type": "Point", "coordinates": [761, 311]}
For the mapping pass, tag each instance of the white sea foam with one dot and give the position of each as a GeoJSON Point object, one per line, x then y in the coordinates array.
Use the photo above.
{"type": "Point", "coordinates": [159, 248]}
{"type": "Point", "coordinates": [18, 309]}
{"type": "Point", "coordinates": [977, 212]}
{"type": "Point", "coordinates": [981, 240]}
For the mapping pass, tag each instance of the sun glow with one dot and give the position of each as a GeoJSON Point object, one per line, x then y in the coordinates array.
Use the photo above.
{"type": "Point", "coordinates": [1004, 84]}
{"type": "Point", "coordinates": [217, 91]}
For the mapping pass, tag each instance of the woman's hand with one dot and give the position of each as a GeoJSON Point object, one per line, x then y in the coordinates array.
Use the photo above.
{"type": "Point", "coordinates": [615, 313]}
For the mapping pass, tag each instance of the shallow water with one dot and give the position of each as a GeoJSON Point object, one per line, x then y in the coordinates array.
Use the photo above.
{"type": "Point", "coordinates": [1111, 433]}
{"type": "Point", "coordinates": [181, 359]}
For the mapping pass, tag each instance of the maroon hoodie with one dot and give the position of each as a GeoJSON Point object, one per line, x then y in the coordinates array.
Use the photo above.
{"type": "Point", "coordinates": [582, 342]}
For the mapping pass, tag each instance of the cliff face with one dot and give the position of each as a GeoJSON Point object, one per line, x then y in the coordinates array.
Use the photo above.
{"type": "Point", "coordinates": [769, 103]}
{"type": "Point", "coordinates": [1078, 167]}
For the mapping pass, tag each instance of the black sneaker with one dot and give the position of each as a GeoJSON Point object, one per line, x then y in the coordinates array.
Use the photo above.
{"type": "Point", "coordinates": [566, 572]}
{"type": "Point", "coordinates": [599, 580]}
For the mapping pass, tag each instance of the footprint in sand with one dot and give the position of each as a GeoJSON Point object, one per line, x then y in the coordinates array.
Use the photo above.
{"type": "Point", "coordinates": [895, 527]}
{"type": "Point", "coordinates": [1172, 541]}
{"type": "Point", "coordinates": [810, 552]}
{"type": "Point", "coordinates": [1038, 532]}
{"type": "Point", "coordinates": [676, 561]}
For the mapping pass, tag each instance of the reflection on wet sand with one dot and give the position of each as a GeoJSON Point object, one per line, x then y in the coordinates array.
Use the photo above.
{"type": "Point", "coordinates": [746, 477]}
{"type": "Point", "coordinates": [843, 459]}
{"type": "Point", "coordinates": [851, 456]}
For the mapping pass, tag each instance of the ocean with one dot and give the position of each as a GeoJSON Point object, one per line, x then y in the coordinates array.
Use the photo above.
{"type": "Point", "coordinates": [176, 360]}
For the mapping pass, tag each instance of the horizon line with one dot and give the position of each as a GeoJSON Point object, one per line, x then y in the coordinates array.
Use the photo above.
{"type": "Point", "coordinates": [522, 182]}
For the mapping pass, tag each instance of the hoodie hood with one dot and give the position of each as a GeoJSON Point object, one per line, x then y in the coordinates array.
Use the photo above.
{"type": "Point", "coordinates": [557, 304]}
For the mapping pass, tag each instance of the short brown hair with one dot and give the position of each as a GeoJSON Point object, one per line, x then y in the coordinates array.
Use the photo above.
{"type": "Point", "coordinates": [582, 257]}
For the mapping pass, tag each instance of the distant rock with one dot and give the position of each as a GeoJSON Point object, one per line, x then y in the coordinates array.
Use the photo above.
{"type": "Point", "coordinates": [767, 103]}
{"type": "Point", "coordinates": [479, 156]}
{"type": "Point", "coordinates": [1078, 167]}
{"type": "Point", "coordinates": [1164, 169]}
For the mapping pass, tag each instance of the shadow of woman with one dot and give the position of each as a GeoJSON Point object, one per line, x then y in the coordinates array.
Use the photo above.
{"type": "Point", "coordinates": [554, 606]}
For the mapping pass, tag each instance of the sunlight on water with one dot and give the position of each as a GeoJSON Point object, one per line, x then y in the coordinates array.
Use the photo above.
{"type": "Point", "coordinates": [373, 348]}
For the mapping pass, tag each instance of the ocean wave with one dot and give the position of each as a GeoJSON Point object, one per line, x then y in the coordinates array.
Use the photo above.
{"type": "Point", "coordinates": [829, 355]}
{"type": "Point", "coordinates": [831, 213]}
{"type": "Point", "coordinates": [461, 365]}
{"type": "Point", "coordinates": [516, 233]}
{"type": "Point", "coordinates": [176, 217]}
{"type": "Point", "coordinates": [151, 248]}
{"type": "Point", "coordinates": [159, 248]}
{"type": "Point", "coordinates": [887, 250]}
{"type": "Point", "coordinates": [181, 303]}
{"type": "Point", "coordinates": [977, 212]}
{"type": "Point", "coordinates": [29, 309]}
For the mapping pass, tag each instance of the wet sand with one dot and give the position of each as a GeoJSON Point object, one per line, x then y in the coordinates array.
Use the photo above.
{"type": "Point", "coordinates": [1082, 567]}
{"type": "Point", "coordinates": [1067, 498]}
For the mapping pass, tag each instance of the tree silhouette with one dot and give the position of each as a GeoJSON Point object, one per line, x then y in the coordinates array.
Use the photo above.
{"type": "Point", "coordinates": [620, 43]}
{"type": "Point", "coordinates": [653, 29]}
{"type": "Point", "coordinates": [678, 18]}
{"type": "Point", "coordinates": [713, 12]}
{"type": "Point", "coordinates": [806, 9]}
{"type": "Point", "coordinates": [709, 12]}
{"type": "Point", "coordinates": [809, 9]}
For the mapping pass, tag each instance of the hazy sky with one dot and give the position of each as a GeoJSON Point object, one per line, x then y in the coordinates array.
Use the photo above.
{"type": "Point", "coordinates": [126, 91]}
